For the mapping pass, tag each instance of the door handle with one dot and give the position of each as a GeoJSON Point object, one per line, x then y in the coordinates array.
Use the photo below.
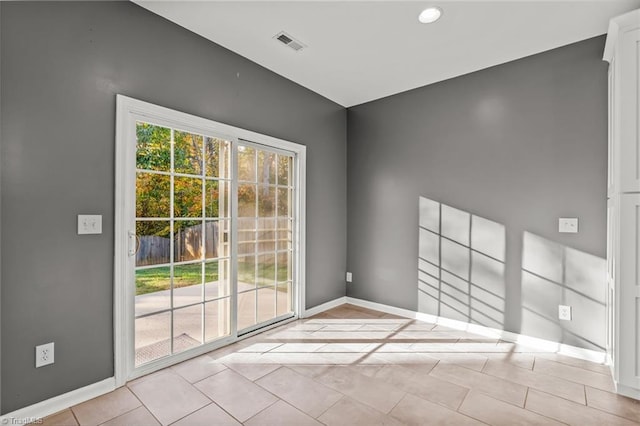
{"type": "Point", "coordinates": [134, 243]}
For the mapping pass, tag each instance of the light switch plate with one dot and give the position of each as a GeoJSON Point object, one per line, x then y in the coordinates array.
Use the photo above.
{"type": "Point", "coordinates": [568, 225]}
{"type": "Point", "coordinates": [89, 224]}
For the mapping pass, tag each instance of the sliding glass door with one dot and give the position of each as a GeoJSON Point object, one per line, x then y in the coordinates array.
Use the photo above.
{"type": "Point", "coordinates": [182, 258]}
{"type": "Point", "coordinates": [213, 251]}
{"type": "Point", "coordinates": [265, 238]}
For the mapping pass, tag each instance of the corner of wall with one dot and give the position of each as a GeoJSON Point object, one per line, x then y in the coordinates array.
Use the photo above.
{"type": "Point", "coordinates": [0, 208]}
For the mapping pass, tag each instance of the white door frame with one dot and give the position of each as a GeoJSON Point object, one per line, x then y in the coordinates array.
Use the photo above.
{"type": "Point", "coordinates": [128, 111]}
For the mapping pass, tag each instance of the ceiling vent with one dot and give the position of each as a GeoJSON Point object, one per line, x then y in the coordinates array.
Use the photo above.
{"type": "Point", "coordinates": [289, 41]}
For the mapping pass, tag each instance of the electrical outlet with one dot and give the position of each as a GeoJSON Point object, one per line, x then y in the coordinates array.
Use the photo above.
{"type": "Point", "coordinates": [564, 312]}
{"type": "Point", "coordinates": [44, 355]}
{"type": "Point", "coordinates": [349, 277]}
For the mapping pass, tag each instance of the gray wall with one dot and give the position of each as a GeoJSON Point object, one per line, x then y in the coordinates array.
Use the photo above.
{"type": "Point", "coordinates": [500, 154]}
{"type": "Point", "coordinates": [62, 64]}
{"type": "Point", "coordinates": [0, 211]}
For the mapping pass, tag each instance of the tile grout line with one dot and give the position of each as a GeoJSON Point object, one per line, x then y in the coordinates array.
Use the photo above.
{"type": "Point", "coordinates": [568, 365]}
{"type": "Point", "coordinates": [276, 396]}
{"type": "Point", "coordinates": [501, 400]}
{"type": "Point", "coordinates": [399, 400]}
{"type": "Point", "coordinates": [608, 412]}
{"type": "Point", "coordinates": [127, 412]}
{"type": "Point", "coordinates": [76, 417]}
{"type": "Point", "coordinates": [574, 381]}
{"type": "Point", "coordinates": [544, 375]}
{"type": "Point", "coordinates": [463, 399]}
{"type": "Point", "coordinates": [331, 406]}
{"type": "Point", "coordinates": [264, 409]}
{"type": "Point", "coordinates": [522, 408]}
{"type": "Point", "coordinates": [533, 364]}
{"type": "Point", "coordinates": [571, 362]}
{"type": "Point", "coordinates": [202, 408]}
{"type": "Point", "coordinates": [208, 377]}
{"type": "Point", "coordinates": [526, 395]}
{"type": "Point", "coordinates": [615, 415]}
{"type": "Point", "coordinates": [539, 390]}
{"type": "Point", "coordinates": [585, 406]}
{"type": "Point", "coordinates": [586, 401]}
{"type": "Point", "coordinates": [126, 385]}
{"type": "Point", "coordinates": [257, 384]}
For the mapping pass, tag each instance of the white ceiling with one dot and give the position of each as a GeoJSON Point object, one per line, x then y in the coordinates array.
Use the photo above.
{"type": "Point", "coordinates": [359, 51]}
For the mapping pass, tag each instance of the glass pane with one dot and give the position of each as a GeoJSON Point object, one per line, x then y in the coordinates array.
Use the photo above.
{"type": "Point", "coordinates": [187, 284]}
{"type": "Point", "coordinates": [285, 235]}
{"type": "Point", "coordinates": [284, 202]}
{"type": "Point", "coordinates": [266, 235]}
{"type": "Point", "coordinates": [152, 195]}
{"type": "Point", "coordinates": [216, 278]}
{"type": "Point", "coordinates": [266, 168]}
{"type": "Point", "coordinates": [187, 155]}
{"type": "Point", "coordinates": [216, 319]}
{"type": "Point", "coordinates": [284, 267]}
{"type": "Point", "coordinates": [266, 270]}
{"type": "Point", "coordinates": [217, 157]}
{"type": "Point", "coordinates": [266, 303]}
{"type": "Point", "coordinates": [266, 201]}
{"type": "Point", "coordinates": [246, 236]}
{"type": "Point", "coordinates": [283, 297]}
{"type": "Point", "coordinates": [153, 242]}
{"type": "Point", "coordinates": [153, 337]}
{"type": "Point", "coordinates": [153, 147]}
{"type": "Point", "coordinates": [152, 290]}
{"type": "Point", "coordinates": [216, 238]}
{"type": "Point", "coordinates": [246, 164]}
{"type": "Point", "coordinates": [246, 273]}
{"type": "Point", "coordinates": [187, 197]}
{"type": "Point", "coordinates": [284, 170]}
{"type": "Point", "coordinates": [217, 199]}
{"type": "Point", "coordinates": [246, 309]}
{"type": "Point", "coordinates": [187, 328]}
{"type": "Point", "coordinates": [187, 240]}
{"type": "Point", "coordinates": [246, 200]}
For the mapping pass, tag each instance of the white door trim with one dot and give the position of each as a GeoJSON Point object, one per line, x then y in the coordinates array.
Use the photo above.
{"type": "Point", "coordinates": [128, 110]}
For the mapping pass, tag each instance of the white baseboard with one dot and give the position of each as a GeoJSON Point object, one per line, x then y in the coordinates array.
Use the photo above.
{"type": "Point", "coordinates": [532, 342]}
{"type": "Point", "coordinates": [627, 391]}
{"type": "Point", "coordinates": [324, 307]}
{"type": "Point", "coordinates": [58, 403]}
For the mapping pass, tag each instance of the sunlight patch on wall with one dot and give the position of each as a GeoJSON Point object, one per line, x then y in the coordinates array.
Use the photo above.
{"type": "Point", "coordinates": [461, 273]}
{"type": "Point", "coordinates": [554, 274]}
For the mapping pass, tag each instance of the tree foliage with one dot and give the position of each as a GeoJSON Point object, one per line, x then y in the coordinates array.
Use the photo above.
{"type": "Point", "coordinates": [201, 181]}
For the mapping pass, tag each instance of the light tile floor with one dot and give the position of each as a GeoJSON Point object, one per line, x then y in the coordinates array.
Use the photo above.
{"type": "Point", "coordinates": [353, 366]}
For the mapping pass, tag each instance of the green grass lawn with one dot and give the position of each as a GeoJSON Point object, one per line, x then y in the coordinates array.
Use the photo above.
{"type": "Point", "coordinates": [266, 273]}
{"type": "Point", "coordinates": [158, 279]}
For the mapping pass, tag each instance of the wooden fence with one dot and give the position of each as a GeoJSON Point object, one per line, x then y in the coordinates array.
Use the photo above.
{"type": "Point", "coordinates": [153, 250]}
{"type": "Point", "coordinates": [270, 235]}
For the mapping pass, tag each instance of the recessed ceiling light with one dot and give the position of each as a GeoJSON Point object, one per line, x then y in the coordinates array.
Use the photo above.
{"type": "Point", "coordinates": [430, 15]}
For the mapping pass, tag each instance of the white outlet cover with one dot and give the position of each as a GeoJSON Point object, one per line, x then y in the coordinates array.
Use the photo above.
{"type": "Point", "coordinates": [349, 277]}
{"type": "Point", "coordinates": [564, 312]}
{"type": "Point", "coordinates": [89, 224]}
{"type": "Point", "coordinates": [568, 225]}
{"type": "Point", "coordinates": [44, 354]}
